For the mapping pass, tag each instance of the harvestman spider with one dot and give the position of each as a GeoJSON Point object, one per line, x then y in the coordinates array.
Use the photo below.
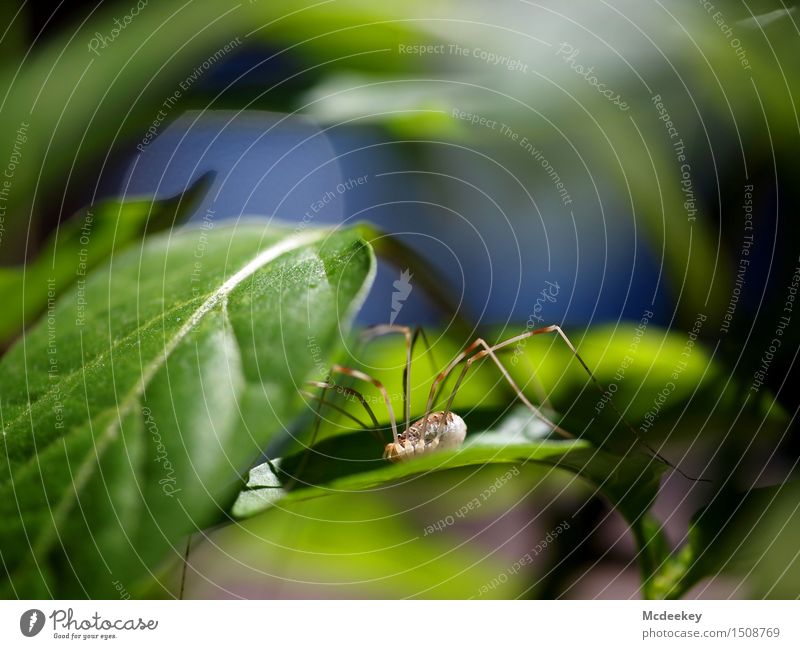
{"type": "Point", "coordinates": [444, 429]}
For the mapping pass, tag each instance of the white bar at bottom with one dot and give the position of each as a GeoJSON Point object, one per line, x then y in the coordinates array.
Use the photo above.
{"type": "Point", "coordinates": [402, 624]}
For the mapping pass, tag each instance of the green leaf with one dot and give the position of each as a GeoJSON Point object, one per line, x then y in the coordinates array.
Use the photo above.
{"type": "Point", "coordinates": [130, 410]}
{"type": "Point", "coordinates": [352, 463]}
{"type": "Point", "coordinates": [82, 243]}
{"type": "Point", "coordinates": [375, 544]}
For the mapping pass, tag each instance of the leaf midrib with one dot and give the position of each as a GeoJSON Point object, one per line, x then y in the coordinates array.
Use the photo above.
{"type": "Point", "coordinates": [68, 378]}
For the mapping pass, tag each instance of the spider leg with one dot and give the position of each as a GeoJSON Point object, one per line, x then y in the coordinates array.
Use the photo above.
{"type": "Point", "coordinates": [338, 408]}
{"type": "Point", "coordinates": [444, 374]}
{"type": "Point", "coordinates": [602, 390]}
{"type": "Point", "coordinates": [318, 414]}
{"type": "Point", "coordinates": [411, 340]}
{"type": "Point", "coordinates": [370, 333]}
{"type": "Point", "coordinates": [202, 533]}
{"type": "Point", "coordinates": [185, 566]}
{"type": "Point", "coordinates": [489, 350]}
{"type": "Point", "coordinates": [357, 374]}
{"type": "Point", "coordinates": [322, 401]}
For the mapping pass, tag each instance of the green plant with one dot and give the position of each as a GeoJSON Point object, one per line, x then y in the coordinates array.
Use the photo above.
{"type": "Point", "coordinates": [129, 416]}
{"type": "Point", "coordinates": [151, 371]}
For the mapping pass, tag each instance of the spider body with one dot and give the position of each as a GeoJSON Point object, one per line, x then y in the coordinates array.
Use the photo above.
{"type": "Point", "coordinates": [439, 430]}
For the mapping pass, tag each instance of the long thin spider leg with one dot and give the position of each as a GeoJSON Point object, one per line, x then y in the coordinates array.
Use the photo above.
{"type": "Point", "coordinates": [537, 386]}
{"type": "Point", "coordinates": [490, 351]}
{"type": "Point", "coordinates": [334, 406]}
{"type": "Point", "coordinates": [411, 340]}
{"type": "Point", "coordinates": [318, 416]}
{"type": "Point", "coordinates": [357, 374]}
{"type": "Point", "coordinates": [419, 332]}
{"type": "Point", "coordinates": [322, 401]}
{"type": "Point", "coordinates": [602, 390]}
{"type": "Point", "coordinates": [382, 330]}
{"type": "Point", "coordinates": [443, 375]}
{"type": "Point", "coordinates": [545, 330]}
{"type": "Point", "coordinates": [352, 392]}
{"type": "Point", "coordinates": [185, 566]}
{"type": "Point", "coordinates": [317, 421]}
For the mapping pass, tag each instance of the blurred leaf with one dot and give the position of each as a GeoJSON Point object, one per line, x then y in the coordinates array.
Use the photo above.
{"type": "Point", "coordinates": [636, 364]}
{"type": "Point", "coordinates": [374, 544]}
{"type": "Point", "coordinates": [81, 244]}
{"type": "Point", "coordinates": [13, 28]}
{"type": "Point", "coordinates": [127, 423]}
{"type": "Point", "coordinates": [85, 91]}
{"type": "Point", "coordinates": [664, 177]}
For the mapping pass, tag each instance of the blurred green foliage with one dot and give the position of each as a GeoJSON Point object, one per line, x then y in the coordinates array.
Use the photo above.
{"type": "Point", "coordinates": [75, 106]}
